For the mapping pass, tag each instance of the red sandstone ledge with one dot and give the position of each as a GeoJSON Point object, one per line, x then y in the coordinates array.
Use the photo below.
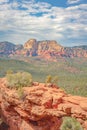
{"type": "Point", "coordinates": [40, 108]}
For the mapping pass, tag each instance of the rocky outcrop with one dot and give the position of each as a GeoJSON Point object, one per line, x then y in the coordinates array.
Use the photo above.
{"type": "Point", "coordinates": [31, 46]}
{"type": "Point", "coordinates": [40, 107]}
{"type": "Point", "coordinates": [50, 46]}
{"type": "Point", "coordinates": [51, 50]}
{"type": "Point", "coordinates": [47, 49]}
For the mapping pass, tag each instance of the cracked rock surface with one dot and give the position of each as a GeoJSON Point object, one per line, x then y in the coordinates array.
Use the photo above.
{"type": "Point", "coordinates": [40, 108]}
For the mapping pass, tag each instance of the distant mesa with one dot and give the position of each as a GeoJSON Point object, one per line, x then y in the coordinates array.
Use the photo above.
{"type": "Point", "coordinates": [47, 49]}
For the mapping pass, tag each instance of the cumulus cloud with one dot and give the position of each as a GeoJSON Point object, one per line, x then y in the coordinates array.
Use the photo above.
{"type": "Point", "coordinates": [73, 1]}
{"type": "Point", "coordinates": [27, 19]}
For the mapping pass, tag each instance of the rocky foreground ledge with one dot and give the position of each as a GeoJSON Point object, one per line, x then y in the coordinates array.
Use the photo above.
{"type": "Point", "coordinates": [40, 108]}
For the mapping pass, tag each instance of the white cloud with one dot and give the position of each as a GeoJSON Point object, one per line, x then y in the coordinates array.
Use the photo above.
{"type": "Point", "coordinates": [3, 1]}
{"type": "Point", "coordinates": [52, 23]}
{"type": "Point", "coordinates": [73, 1]}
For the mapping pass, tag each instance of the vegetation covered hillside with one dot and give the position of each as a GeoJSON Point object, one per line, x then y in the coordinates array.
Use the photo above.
{"type": "Point", "coordinates": [72, 73]}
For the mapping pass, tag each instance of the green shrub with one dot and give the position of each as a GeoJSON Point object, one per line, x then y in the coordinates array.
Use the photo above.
{"type": "Point", "coordinates": [19, 79]}
{"type": "Point", "coordinates": [48, 79]}
{"type": "Point", "coordinates": [51, 79]}
{"type": "Point", "coordinates": [70, 123]}
{"type": "Point", "coordinates": [9, 72]}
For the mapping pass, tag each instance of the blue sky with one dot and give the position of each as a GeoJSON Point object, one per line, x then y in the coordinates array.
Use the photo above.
{"type": "Point", "coordinates": [62, 20]}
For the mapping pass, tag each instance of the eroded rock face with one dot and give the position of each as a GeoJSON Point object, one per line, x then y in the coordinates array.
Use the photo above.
{"type": "Point", "coordinates": [47, 49]}
{"type": "Point", "coordinates": [31, 46]}
{"type": "Point", "coordinates": [51, 46]}
{"type": "Point", "coordinates": [40, 107]}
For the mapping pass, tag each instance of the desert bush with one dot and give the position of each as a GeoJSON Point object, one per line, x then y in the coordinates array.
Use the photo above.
{"type": "Point", "coordinates": [9, 72]}
{"type": "Point", "coordinates": [19, 79]}
{"type": "Point", "coordinates": [51, 79]}
{"type": "Point", "coordinates": [70, 123]}
{"type": "Point", "coordinates": [48, 79]}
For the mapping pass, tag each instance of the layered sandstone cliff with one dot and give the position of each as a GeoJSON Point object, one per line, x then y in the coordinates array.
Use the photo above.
{"type": "Point", "coordinates": [40, 107]}
{"type": "Point", "coordinates": [31, 46]}
{"type": "Point", "coordinates": [48, 49]}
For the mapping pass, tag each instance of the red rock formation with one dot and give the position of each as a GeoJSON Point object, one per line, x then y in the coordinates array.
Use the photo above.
{"type": "Point", "coordinates": [40, 108]}
{"type": "Point", "coordinates": [51, 46]}
{"type": "Point", "coordinates": [47, 49]}
{"type": "Point", "coordinates": [31, 46]}
{"type": "Point", "coordinates": [50, 50]}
